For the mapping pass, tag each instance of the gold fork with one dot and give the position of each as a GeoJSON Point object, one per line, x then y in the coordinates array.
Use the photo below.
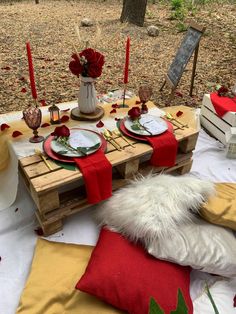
{"type": "Point", "coordinates": [110, 134]}
{"type": "Point", "coordinates": [118, 133]}
{"type": "Point", "coordinates": [109, 139]}
{"type": "Point", "coordinates": [171, 118]}
{"type": "Point", "coordinates": [39, 153]}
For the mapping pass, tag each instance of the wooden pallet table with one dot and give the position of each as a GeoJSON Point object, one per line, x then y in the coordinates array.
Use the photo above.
{"type": "Point", "coordinates": [60, 193]}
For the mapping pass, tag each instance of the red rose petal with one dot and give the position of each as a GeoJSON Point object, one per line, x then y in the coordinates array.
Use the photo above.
{"type": "Point", "coordinates": [39, 231]}
{"type": "Point", "coordinates": [179, 113]}
{"type": "Point", "coordinates": [4, 126]}
{"type": "Point", "coordinates": [100, 124]}
{"type": "Point", "coordinates": [64, 119]}
{"type": "Point", "coordinates": [44, 125]}
{"type": "Point", "coordinates": [65, 110]}
{"type": "Point", "coordinates": [137, 102]}
{"type": "Point", "coordinates": [16, 210]}
{"type": "Point", "coordinates": [43, 102]}
{"type": "Point", "coordinates": [16, 134]}
{"type": "Point", "coordinates": [179, 94]}
{"type": "Point", "coordinates": [235, 300]}
{"type": "Point", "coordinates": [23, 90]}
{"type": "Point", "coordinates": [115, 106]}
{"type": "Point", "coordinates": [113, 111]}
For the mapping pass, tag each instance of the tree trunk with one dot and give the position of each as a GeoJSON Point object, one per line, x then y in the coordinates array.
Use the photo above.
{"type": "Point", "coordinates": [133, 11]}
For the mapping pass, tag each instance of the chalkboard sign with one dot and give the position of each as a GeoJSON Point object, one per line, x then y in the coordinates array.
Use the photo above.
{"type": "Point", "coordinates": [184, 53]}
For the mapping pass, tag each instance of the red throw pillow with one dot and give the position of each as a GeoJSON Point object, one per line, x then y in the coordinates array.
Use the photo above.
{"type": "Point", "coordinates": [126, 276]}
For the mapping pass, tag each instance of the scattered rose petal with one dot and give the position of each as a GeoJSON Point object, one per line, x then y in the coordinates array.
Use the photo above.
{"type": "Point", "coordinates": [113, 111]}
{"type": "Point", "coordinates": [48, 60]}
{"type": "Point", "coordinates": [43, 102]}
{"type": "Point", "coordinates": [63, 77]}
{"type": "Point", "coordinates": [179, 94]}
{"type": "Point", "coordinates": [44, 125]}
{"type": "Point", "coordinates": [4, 126]}
{"type": "Point", "coordinates": [64, 119]}
{"type": "Point", "coordinates": [65, 110]}
{"type": "Point", "coordinates": [16, 134]}
{"type": "Point", "coordinates": [235, 300]}
{"type": "Point", "coordinates": [44, 93]}
{"type": "Point", "coordinates": [117, 119]}
{"type": "Point", "coordinates": [137, 102]}
{"type": "Point", "coordinates": [23, 90]}
{"type": "Point", "coordinates": [115, 106]}
{"type": "Point", "coordinates": [100, 124]}
{"type": "Point", "coordinates": [6, 68]}
{"type": "Point", "coordinates": [16, 210]}
{"type": "Point", "coordinates": [39, 231]}
{"type": "Point", "coordinates": [179, 113]}
{"type": "Point", "coordinates": [43, 67]}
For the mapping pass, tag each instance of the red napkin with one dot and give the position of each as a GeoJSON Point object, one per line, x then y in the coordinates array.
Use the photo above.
{"type": "Point", "coordinates": [223, 104]}
{"type": "Point", "coordinates": [97, 174]}
{"type": "Point", "coordinates": [165, 148]}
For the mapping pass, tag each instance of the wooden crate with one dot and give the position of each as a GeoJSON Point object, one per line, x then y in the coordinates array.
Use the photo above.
{"type": "Point", "coordinates": [215, 125]}
{"type": "Point", "coordinates": [60, 193]}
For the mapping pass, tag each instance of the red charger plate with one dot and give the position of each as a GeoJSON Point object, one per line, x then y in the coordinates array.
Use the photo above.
{"type": "Point", "coordinates": [55, 156]}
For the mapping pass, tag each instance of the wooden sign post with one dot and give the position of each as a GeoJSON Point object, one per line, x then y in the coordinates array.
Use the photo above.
{"type": "Point", "coordinates": [189, 45]}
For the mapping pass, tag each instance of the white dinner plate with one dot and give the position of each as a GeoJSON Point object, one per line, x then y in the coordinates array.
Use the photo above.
{"type": "Point", "coordinates": [89, 141]}
{"type": "Point", "coordinates": [153, 125]}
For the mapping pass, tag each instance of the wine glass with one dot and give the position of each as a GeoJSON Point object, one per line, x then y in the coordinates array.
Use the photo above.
{"type": "Point", "coordinates": [33, 117]}
{"type": "Point", "coordinates": [145, 93]}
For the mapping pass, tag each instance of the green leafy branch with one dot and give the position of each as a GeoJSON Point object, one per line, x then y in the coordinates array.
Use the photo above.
{"type": "Point", "coordinates": [138, 126]}
{"type": "Point", "coordinates": [82, 150]}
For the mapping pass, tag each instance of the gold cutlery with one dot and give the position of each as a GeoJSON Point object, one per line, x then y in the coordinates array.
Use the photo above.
{"type": "Point", "coordinates": [118, 133]}
{"type": "Point", "coordinates": [39, 153]}
{"type": "Point", "coordinates": [109, 139]}
{"type": "Point", "coordinates": [110, 134]}
{"type": "Point", "coordinates": [171, 118]}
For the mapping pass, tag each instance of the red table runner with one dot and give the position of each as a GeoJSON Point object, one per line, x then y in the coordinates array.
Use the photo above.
{"type": "Point", "coordinates": [97, 175]}
{"type": "Point", "coordinates": [223, 104]}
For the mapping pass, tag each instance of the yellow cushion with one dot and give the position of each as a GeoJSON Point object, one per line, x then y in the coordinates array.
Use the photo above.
{"type": "Point", "coordinates": [221, 208]}
{"type": "Point", "coordinates": [50, 288]}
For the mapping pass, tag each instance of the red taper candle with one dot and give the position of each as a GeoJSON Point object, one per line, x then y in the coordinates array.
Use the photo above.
{"type": "Point", "coordinates": [31, 71]}
{"type": "Point", "coordinates": [126, 74]}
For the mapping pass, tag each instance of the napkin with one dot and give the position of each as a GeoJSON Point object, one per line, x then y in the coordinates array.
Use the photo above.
{"type": "Point", "coordinates": [223, 104]}
{"type": "Point", "coordinates": [97, 175]}
{"type": "Point", "coordinates": [165, 147]}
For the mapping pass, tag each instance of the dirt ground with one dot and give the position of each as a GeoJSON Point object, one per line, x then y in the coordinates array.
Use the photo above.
{"type": "Point", "coordinates": [50, 28]}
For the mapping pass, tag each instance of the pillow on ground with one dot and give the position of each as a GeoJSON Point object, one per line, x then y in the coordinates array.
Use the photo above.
{"type": "Point", "coordinates": [201, 245]}
{"type": "Point", "coordinates": [221, 208]}
{"type": "Point", "coordinates": [50, 288]}
{"type": "Point", "coordinates": [154, 206]}
{"type": "Point", "coordinates": [126, 276]}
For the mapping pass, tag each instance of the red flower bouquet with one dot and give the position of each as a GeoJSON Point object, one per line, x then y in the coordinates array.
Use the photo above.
{"type": "Point", "coordinates": [88, 63]}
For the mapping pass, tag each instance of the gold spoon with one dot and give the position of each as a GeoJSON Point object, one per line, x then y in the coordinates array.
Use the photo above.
{"type": "Point", "coordinates": [118, 133]}
{"type": "Point", "coordinates": [109, 139]}
{"type": "Point", "coordinates": [109, 134]}
{"type": "Point", "coordinates": [39, 153]}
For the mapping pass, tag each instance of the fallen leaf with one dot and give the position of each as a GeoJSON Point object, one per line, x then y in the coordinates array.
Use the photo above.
{"type": "Point", "coordinates": [16, 210]}
{"type": "Point", "coordinates": [179, 94]}
{"type": "Point", "coordinates": [6, 68]}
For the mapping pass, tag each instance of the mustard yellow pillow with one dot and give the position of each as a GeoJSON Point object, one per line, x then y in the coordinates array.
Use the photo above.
{"type": "Point", "coordinates": [50, 288]}
{"type": "Point", "coordinates": [221, 208]}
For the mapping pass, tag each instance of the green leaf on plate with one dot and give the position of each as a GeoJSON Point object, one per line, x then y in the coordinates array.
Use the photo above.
{"type": "Point", "coordinates": [62, 152]}
{"type": "Point", "coordinates": [154, 308]}
{"type": "Point", "coordinates": [135, 127]}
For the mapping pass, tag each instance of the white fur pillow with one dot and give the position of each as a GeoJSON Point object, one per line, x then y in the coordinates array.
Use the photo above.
{"type": "Point", "coordinates": [201, 245]}
{"type": "Point", "coordinates": [154, 206]}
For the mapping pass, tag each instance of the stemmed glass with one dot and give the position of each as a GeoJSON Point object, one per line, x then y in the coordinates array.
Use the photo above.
{"type": "Point", "coordinates": [33, 117]}
{"type": "Point", "coordinates": [145, 93]}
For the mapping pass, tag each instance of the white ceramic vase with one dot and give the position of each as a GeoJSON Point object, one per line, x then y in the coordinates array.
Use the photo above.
{"type": "Point", "coordinates": [87, 95]}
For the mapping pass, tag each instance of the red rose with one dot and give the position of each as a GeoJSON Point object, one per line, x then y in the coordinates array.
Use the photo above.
{"type": "Point", "coordinates": [94, 71]}
{"type": "Point", "coordinates": [75, 66]}
{"type": "Point", "coordinates": [222, 91]}
{"type": "Point", "coordinates": [134, 113]}
{"type": "Point", "coordinates": [61, 131]}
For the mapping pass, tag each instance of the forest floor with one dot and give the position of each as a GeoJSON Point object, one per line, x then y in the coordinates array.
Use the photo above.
{"type": "Point", "coordinates": [50, 28]}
